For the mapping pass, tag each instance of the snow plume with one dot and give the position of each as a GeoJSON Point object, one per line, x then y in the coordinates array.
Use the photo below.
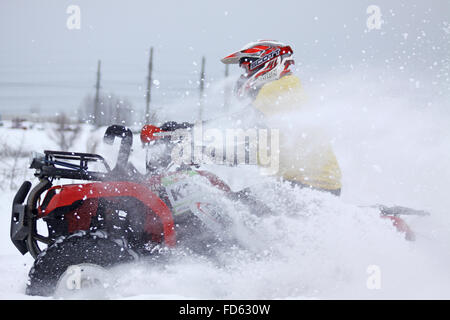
{"type": "Point", "coordinates": [392, 140]}
{"type": "Point", "coordinates": [316, 246]}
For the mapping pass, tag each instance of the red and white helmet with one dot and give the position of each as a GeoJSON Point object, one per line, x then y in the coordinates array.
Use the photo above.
{"type": "Point", "coordinates": [263, 61]}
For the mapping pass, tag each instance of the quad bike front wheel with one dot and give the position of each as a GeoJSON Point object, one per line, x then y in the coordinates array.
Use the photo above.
{"type": "Point", "coordinates": [75, 262]}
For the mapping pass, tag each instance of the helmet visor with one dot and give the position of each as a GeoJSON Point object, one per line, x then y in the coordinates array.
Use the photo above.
{"type": "Point", "coordinates": [245, 63]}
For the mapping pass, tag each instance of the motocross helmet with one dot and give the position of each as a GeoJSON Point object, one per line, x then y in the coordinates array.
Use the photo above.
{"type": "Point", "coordinates": [263, 61]}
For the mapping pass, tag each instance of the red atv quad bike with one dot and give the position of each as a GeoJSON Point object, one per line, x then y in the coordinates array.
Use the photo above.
{"type": "Point", "coordinates": [116, 215]}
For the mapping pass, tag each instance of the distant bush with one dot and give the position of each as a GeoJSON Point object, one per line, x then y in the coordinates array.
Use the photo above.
{"type": "Point", "coordinates": [8, 151]}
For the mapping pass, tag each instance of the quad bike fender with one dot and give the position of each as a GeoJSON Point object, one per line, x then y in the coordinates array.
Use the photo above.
{"type": "Point", "coordinates": [401, 226]}
{"type": "Point", "coordinates": [69, 195]}
{"type": "Point", "coordinates": [20, 228]}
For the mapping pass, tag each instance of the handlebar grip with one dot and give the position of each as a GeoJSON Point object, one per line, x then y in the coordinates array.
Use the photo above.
{"type": "Point", "coordinates": [119, 131]}
{"type": "Point", "coordinates": [126, 135]}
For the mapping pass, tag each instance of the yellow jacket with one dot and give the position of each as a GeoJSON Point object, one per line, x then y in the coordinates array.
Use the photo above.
{"type": "Point", "coordinates": [305, 155]}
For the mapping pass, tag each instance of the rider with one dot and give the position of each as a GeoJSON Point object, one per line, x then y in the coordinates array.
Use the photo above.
{"type": "Point", "coordinates": [305, 158]}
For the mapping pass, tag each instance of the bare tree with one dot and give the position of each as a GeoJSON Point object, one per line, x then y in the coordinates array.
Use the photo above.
{"type": "Point", "coordinates": [120, 110]}
{"type": "Point", "coordinates": [112, 110]}
{"type": "Point", "coordinates": [64, 132]}
{"type": "Point", "coordinates": [10, 157]}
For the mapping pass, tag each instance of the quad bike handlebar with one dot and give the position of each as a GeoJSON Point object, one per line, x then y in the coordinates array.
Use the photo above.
{"type": "Point", "coordinates": [126, 135]}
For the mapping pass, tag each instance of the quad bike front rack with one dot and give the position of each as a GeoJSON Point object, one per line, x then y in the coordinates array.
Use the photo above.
{"type": "Point", "coordinates": [59, 164]}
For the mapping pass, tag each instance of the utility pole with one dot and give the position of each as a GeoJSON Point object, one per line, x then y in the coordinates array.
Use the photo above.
{"type": "Point", "coordinates": [148, 118]}
{"type": "Point", "coordinates": [202, 88]}
{"type": "Point", "coordinates": [97, 97]}
{"type": "Point", "coordinates": [226, 89]}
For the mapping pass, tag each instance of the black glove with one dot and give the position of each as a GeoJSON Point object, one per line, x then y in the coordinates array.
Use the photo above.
{"type": "Point", "coordinates": [172, 126]}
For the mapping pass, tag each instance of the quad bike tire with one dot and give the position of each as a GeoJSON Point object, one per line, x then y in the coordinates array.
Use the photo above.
{"type": "Point", "coordinates": [94, 248]}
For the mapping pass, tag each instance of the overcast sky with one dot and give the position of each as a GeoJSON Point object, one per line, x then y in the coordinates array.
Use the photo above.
{"type": "Point", "coordinates": [45, 65]}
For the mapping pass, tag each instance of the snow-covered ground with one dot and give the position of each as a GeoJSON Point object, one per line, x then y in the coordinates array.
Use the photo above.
{"type": "Point", "coordinates": [393, 145]}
